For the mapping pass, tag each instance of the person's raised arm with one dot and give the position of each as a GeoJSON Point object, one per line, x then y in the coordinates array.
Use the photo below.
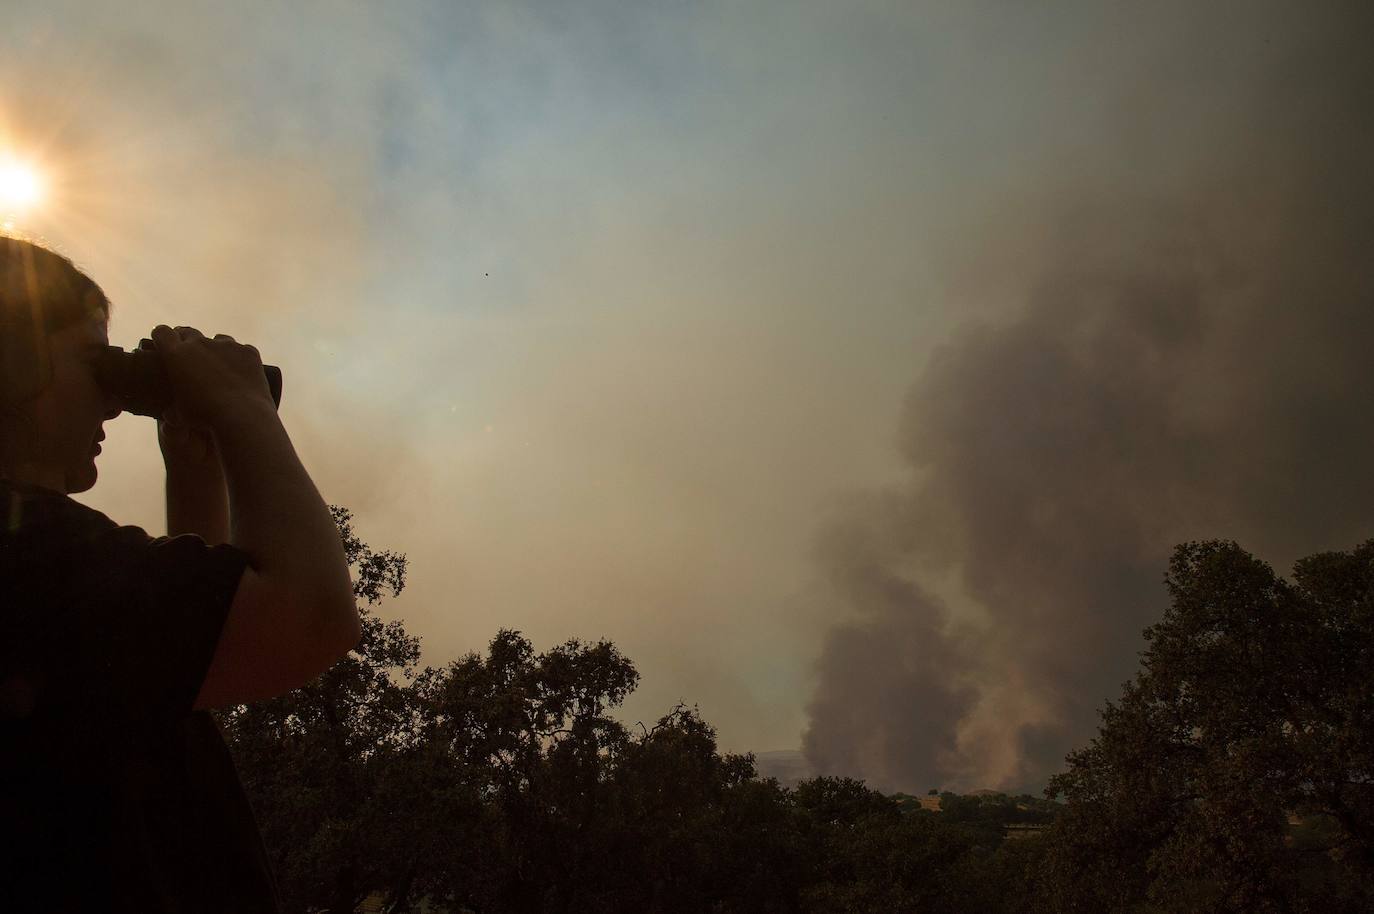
{"type": "Point", "coordinates": [294, 614]}
{"type": "Point", "coordinates": [197, 494]}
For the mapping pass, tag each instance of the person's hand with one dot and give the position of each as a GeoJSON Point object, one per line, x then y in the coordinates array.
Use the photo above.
{"type": "Point", "coordinates": [210, 378]}
{"type": "Point", "coordinates": [186, 447]}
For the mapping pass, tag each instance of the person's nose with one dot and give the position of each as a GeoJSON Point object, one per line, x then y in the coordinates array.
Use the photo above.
{"type": "Point", "coordinates": [112, 407]}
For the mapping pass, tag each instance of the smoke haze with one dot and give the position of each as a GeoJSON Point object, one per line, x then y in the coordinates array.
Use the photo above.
{"type": "Point", "coordinates": [608, 315]}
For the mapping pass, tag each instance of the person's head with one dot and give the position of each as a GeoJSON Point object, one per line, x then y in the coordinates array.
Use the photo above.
{"type": "Point", "coordinates": [53, 323]}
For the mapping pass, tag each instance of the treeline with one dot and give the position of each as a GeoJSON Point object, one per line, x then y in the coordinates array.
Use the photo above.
{"type": "Point", "coordinates": [1234, 775]}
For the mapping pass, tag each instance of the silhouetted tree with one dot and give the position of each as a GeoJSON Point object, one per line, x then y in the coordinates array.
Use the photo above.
{"type": "Point", "coordinates": [532, 733]}
{"type": "Point", "coordinates": [1254, 703]}
{"type": "Point", "coordinates": [501, 783]}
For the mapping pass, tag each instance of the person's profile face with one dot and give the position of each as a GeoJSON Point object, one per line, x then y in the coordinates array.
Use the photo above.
{"type": "Point", "coordinates": [69, 413]}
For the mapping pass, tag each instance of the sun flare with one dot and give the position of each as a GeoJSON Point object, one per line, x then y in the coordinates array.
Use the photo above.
{"type": "Point", "coordinates": [20, 186]}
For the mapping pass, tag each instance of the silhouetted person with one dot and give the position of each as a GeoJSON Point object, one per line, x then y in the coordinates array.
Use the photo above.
{"type": "Point", "coordinates": [117, 792]}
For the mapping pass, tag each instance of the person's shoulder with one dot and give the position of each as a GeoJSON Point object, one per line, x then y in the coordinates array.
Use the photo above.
{"type": "Point", "coordinates": [51, 546]}
{"type": "Point", "coordinates": [30, 512]}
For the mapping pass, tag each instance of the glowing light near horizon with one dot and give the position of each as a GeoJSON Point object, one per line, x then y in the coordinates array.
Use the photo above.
{"type": "Point", "coordinates": [20, 186]}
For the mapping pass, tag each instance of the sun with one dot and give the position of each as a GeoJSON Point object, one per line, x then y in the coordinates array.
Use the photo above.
{"type": "Point", "coordinates": [20, 186]}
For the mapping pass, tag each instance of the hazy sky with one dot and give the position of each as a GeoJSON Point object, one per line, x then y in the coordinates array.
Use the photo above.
{"type": "Point", "coordinates": [618, 318]}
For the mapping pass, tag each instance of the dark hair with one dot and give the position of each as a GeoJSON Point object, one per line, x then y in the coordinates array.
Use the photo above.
{"type": "Point", "coordinates": [41, 293]}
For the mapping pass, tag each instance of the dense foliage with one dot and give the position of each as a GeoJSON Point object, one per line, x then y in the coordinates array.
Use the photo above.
{"type": "Point", "coordinates": [1236, 773]}
{"type": "Point", "coordinates": [1233, 775]}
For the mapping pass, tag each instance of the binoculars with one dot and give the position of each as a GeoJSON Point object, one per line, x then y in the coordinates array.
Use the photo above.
{"type": "Point", "coordinates": [139, 379]}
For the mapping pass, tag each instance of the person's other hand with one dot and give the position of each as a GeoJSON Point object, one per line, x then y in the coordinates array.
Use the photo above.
{"type": "Point", "coordinates": [186, 447]}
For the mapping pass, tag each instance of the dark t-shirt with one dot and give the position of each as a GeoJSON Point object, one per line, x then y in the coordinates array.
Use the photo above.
{"type": "Point", "coordinates": [115, 795]}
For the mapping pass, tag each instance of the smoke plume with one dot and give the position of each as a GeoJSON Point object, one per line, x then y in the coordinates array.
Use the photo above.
{"type": "Point", "coordinates": [1188, 357]}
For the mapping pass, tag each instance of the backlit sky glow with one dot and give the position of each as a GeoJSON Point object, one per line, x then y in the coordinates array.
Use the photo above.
{"type": "Point", "coordinates": [609, 315]}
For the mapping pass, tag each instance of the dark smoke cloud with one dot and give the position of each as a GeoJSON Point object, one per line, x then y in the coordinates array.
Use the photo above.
{"type": "Point", "coordinates": [1191, 358]}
